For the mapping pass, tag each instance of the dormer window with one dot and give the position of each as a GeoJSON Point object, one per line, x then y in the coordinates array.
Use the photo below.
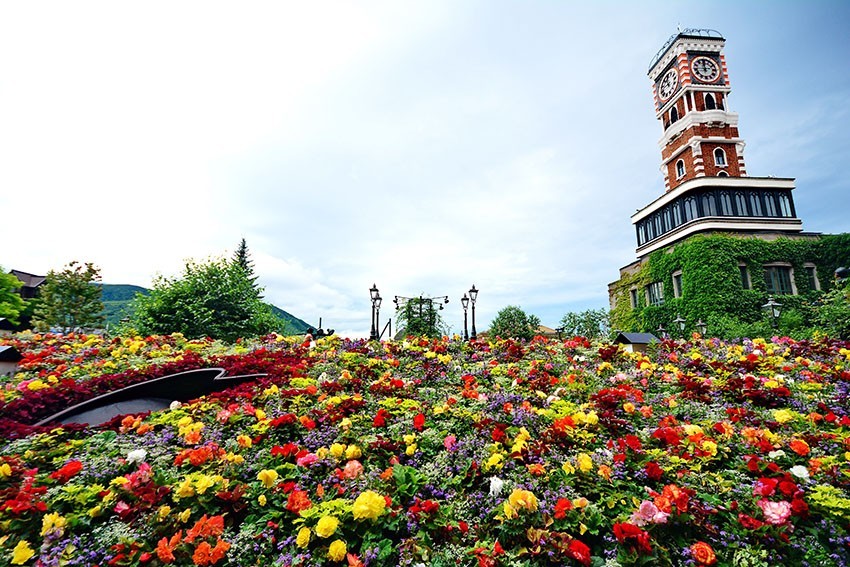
{"type": "Point", "coordinates": [674, 115]}
{"type": "Point", "coordinates": [710, 104]}
{"type": "Point", "coordinates": [680, 169]}
{"type": "Point", "coordinates": [719, 157]}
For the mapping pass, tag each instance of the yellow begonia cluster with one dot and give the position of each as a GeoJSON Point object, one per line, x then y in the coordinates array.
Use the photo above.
{"type": "Point", "coordinates": [369, 505]}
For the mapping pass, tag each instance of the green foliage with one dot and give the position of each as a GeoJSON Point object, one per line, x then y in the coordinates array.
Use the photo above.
{"type": "Point", "coordinates": [712, 288]}
{"type": "Point", "coordinates": [70, 299]}
{"type": "Point", "coordinates": [592, 323]}
{"type": "Point", "coordinates": [420, 316]}
{"type": "Point", "coordinates": [832, 313]}
{"type": "Point", "coordinates": [11, 304]}
{"type": "Point", "coordinates": [212, 299]}
{"type": "Point", "coordinates": [242, 258]}
{"type": "Point", "coordinates": [514, 323]}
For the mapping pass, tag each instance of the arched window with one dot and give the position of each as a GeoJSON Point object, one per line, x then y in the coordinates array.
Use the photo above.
{"type": "Point", "coordinates": [677, 214]}
{"type": "Point", "coordinates": [691, 211]}
{"type": "Point", "coordinates": [741, 204]}
{"type": "Point", "coordinates": [726, 203]}
{"type": "Point", "coordinates": [674, 114]}
{"type": "Point", "coordinates": [722, 174]}
{"type": "Point", "coordinates": [641, 234]}
{"type": "Point", "coordinates": [785, 206]}
{"type": "Point", "coordinates": [770, 204]}
{"type": "Point", "coordinates": [755, 204]}
{"type": "Point", "coordinates": [719, 157]}
{"type": "Point", "coordinates": [666, 217]}
{"type": "Point", "coordinates": [709, 207]}
{"type": "Point", "coordinates": [680, 169]}
{"type": "Point", "coordinates": [709, 102]}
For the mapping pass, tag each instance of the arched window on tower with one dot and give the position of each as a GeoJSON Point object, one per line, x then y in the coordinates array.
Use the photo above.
{"type": "Point", "coordinates": [722, 174]}
{"type": "Point", "coordinates": [709, 102]}
{"type": "Point", "coordinates": [719, 157]}
{"type": "Point", "coordinates": [674, 114]}
{"type": "Point", "coordinates": [680, 169]}
{"type": "Point", "coordinates": [755, 204]}
{"type": "Point", "coordinates": [691, 211]}
{"type": "Point", "coordinates": [785, 206]}
{"type": "Point", "coordinates": [709, 207]}
{"type": "Point", "coordinates": [726, 203]}
{"type": "Point", "coordinates": [741, 204]}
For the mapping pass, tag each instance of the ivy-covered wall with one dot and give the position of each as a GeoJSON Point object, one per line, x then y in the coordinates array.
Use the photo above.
{"type": "Point", "coordinates": [711, 281]}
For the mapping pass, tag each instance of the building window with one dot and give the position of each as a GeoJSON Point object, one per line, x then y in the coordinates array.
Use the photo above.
{"type": "Point", "coordinates": [719, 157]}
{"type": "Point", "coordinates": [709, 102]}
{"type": "Point", "coordinates": [755, 204]}
{"type": "Point", "coordinates": [741, 204]}
{"type": "Point", "coordinates": [812, 275]}
{"type": "Point", "coordinates": [633, 296]}
{"type": "Point", "coordinates": [709, 207]}
{"type": "Point", "coordinates": [778, 280]}
{"type": "Point", "coordinates": [674, 115]}
{"type": "Point", "coordinates": [726, 204]}
{"type": "Point", "coordinates": [655, 293]}
{"type": "Point", "coordinates": [691, 211]}
{"type": "Point", "coordinates": [677, 284]}
{"type": "Point", "coordinates": [745, 276]}
{"type": "Point", "coordinates": [680, 169]}
{"type": "Point", "coordinates": [785, 206]}
{"type": "Point", "coordinates": [677, 214]}
{"type": "Point", "coordinates": [722, 174]}
{"type": "Point", "coordinates": [770, 205]}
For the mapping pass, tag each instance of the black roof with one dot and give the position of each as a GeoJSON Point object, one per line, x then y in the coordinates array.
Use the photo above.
{"type": "Point", "coordinates": [688, 32]}
{"type": "Point", "coordinates": [9, 354]}
{"type": "Point", "coordinates": [635, 338]}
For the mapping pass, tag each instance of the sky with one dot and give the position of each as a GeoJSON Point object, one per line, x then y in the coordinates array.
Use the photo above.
{"type": "Point", "coordinates": [423, 146]}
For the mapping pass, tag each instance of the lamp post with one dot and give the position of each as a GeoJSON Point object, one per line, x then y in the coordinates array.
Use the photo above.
{"type": "Point", "coordinates": [662, 332]}
{"type": "Point", "coordinates": [430, 322]}
{"type": "Point", "coordinates": [701, 327]}
{"type": "Point", "coordinates": [680, 323]}
{"type": "Point", "coordinates": [774, 309]}
{"type": "Point", "coordinates": [375, 296]}
{"type": "Point", "coordinates": [465, 302]}
{"type": "Point", "coordinates": [473, 295]}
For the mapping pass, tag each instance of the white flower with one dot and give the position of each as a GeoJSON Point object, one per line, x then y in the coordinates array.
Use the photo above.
{"type": "Point", "coordinates": [800, 472]}
{"type": "Point", "coordinates": [776, 454]}
{"type": "Point", "coordinates": [175, 404]}
{"type": "Point", "coordinates": [496, 485]}
{"type": "Point", "coordinates": [137, 456]}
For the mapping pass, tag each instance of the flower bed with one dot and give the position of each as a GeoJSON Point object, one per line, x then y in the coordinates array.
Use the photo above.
{"type": "Point", "coordinates": [436, 452]}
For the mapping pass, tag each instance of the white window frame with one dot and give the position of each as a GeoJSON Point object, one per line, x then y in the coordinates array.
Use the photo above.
{"type": "Point", "coordinates": [680, 172]}
{"type": "Point", "coordinates": [722, 162]}
{"type": "Point", "coordinates": [677, 284]}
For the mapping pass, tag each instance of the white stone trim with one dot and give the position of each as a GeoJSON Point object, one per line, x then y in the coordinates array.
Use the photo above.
{"type": "Point", "coordinates": [724, 224]}
{"type": "Point", "coordinates": [694, 118]}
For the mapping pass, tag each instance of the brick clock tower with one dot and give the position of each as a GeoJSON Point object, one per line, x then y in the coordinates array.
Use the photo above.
{"type": "Point", "coordinates": [702, 154]}
{"type": "Point", "coordinates": [690, 86]}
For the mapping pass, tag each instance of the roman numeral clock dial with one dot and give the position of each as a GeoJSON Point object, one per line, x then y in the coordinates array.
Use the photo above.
{"type": "Point", "coordinates": [705, 69]}
{"type": "Point", "coordinates": [667, 85]}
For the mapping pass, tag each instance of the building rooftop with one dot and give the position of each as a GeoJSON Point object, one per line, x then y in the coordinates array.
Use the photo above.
{"type": "Point", "coordinates": [687, 32]}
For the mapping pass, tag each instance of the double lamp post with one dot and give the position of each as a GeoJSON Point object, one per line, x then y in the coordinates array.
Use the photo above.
{"type": "Point", "coordinates": [466, 300]}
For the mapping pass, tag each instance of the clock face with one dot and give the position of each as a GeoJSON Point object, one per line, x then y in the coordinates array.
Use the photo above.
{"type": "Point", "coordinates": [705, 69]}
{"type": "Point", "coordinates": [667, 85]}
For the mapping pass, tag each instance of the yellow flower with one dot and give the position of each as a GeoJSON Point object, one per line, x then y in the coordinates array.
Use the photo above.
{"type": "Point", "coordinates": [495, 461]}
{"type": "Point", "coordinates": [22, 553]}
{"type": "Point", "coordinates": [185, 489]}
{"type": "Point", "coordinates": [629, 407]}
{"type": "Point", "coordinates": [710, 447]}
{"type": "Point", "coordinates": [568, 468]}
{"type": "Point", "coordinates": [369, 505]}
{"type": "Point", "coordinates": [411, 449]}
{"type": "Point", "coordinates": [163, 512]}
{"type": "Point", "coordinates": [203, 483]}
{"type": "Point", "coordinates": [244, 441]}
{"type": "Point", "coordinates": [584, 462]}
{"type": "Point", "coordinates": [327, 526]}
{"type": "Point", "coordinates": [5, 470]}
{"type": "Point", "coordinates": [409, 438]}
{"type": "Point", "coordinates": [783, 415]}
{"type": "Point", "coordinates": [262, 499]}
{"type": "Point", "coordinates": [337, 550]}
{"type": "Point", "coordinates": [267, 477]}
{"type": "Point", "coordinates": [510, 511]}
{"type": "Point", "coordinates": [337, 450]}
{"type": "Point", "coordinates": [303, 538]}
{"type": "Point", "coordinates": [184, 515]}
{"type": "Point", "coordinates": [50, 521]}
{"type": "Point", "coordinates": [525, 499]}
{"type": "Point", "coordinates": [353, 452]}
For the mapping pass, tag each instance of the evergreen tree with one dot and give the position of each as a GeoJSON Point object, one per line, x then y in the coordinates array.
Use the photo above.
{"type": "Point", "coordinates": [242, 258]}
{"type": "Point", "coordinates": [70, 299]}
{"type": "Point", "coordinates": [11, 303]}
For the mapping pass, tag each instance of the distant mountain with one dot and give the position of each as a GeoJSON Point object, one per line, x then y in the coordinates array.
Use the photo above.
{"type": "Point", "coordinates": [117, 299]}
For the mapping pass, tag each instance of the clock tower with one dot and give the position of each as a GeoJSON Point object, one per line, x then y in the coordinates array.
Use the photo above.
{"type": "Point", "coordinates": [690, 86]}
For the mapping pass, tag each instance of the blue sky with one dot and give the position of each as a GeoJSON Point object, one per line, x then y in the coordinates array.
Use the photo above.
{"type": "Point", "coordinates": [421, 146]}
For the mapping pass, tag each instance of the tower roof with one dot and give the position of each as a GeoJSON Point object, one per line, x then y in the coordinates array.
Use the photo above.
{"type": "Point", "coordinates": [687, 32]}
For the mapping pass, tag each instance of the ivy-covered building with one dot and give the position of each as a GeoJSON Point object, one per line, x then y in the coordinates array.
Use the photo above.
{"type": "Point", "coordinates": [718, 242]}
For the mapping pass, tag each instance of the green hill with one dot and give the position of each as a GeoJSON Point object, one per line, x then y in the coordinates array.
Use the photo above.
{"type": "Point", "coordinates": [117, 300]}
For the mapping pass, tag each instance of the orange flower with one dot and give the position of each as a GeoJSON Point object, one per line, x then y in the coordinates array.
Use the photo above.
{"type": "Point", "coordinates": [165, 547]}
{"type": "Point", "coordinates": [703, 554]}
{"type": "Point", "coordinates": [206, 527]}
{"type": "Point", "coordinates": [800, 447]}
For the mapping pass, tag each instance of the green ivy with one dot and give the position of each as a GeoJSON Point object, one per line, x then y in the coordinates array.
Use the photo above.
{"type": "Point", "coordinates": [712, 288]}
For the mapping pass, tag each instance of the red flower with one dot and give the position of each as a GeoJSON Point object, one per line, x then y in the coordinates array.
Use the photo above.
{"type": "Point", "coordinates": [298, 501]}
{"type": "Point", "coordinates": [653, 471]}
{"type": "Point", "coordinates": [749, 522]}
{"type": "Point", "coordinates": [579, 551]}
{"type": "Point", "coordinates": [562, 506]}
{"type": "Point", "coordinates": [419, 422]}
{"type": "Point", "coordinates": [703, 554]}
{"type": "Point", "coordinates": [633, 536]}
{"type": "Point", "coordinates": [64, 474]}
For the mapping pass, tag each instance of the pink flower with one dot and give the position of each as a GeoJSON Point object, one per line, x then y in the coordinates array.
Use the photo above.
{"type": "Point", "coordinates": [449, 442]}
{"type": "Point", "coordinates": [648, 513]}
{"type": "Point", "coordinates": [776, 513]}
{"type": "Point", "coordinates": [352, 469]}
{"type": "Point", "coordinates": [307, 460]}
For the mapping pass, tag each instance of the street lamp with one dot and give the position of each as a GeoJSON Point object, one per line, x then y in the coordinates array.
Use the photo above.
{"type": "Point", "coordinates": [465, 302]}
{"type": "Point", "coordinates": [375, 296]}
{"type": "Point", "coordinates": [680, 322]}
{"type": "Point", "coordinates": [473, 295]}
{"type": "Point", "coordinates": [773, 308]}
{"type": "Point", "coordinates": [662, 332]}
{"type": "Point", "coordinates": [701, 327]}
{"type": "Point", "coordinates": [422, 324]}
